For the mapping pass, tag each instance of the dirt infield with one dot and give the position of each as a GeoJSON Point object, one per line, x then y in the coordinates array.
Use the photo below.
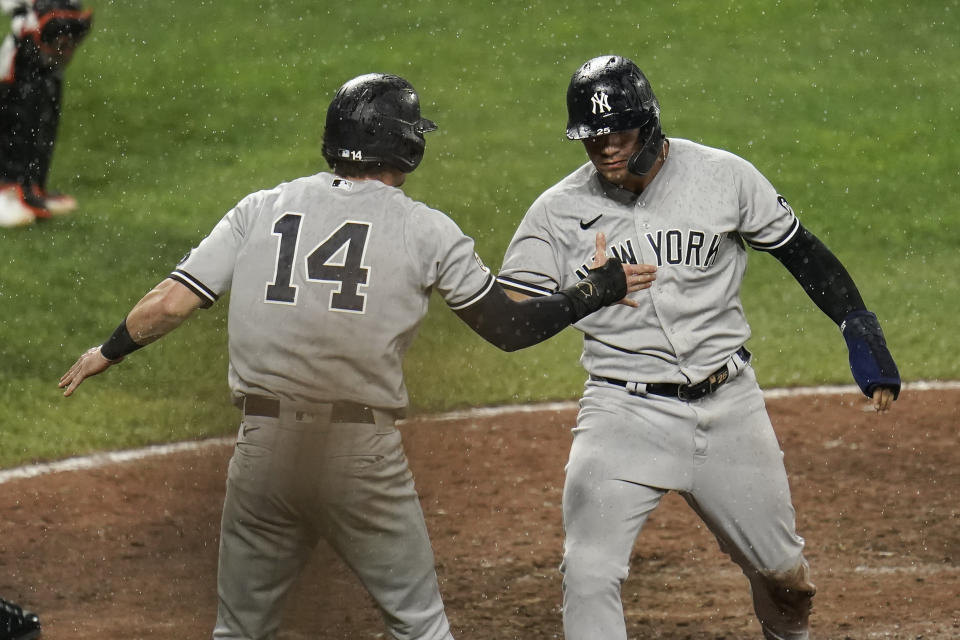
{"type": "Point", "coordinates": [129, 551]}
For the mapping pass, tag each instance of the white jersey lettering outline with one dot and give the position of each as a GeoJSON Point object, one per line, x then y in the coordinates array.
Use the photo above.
{"type": "Point", "coordinates": [674, 247]}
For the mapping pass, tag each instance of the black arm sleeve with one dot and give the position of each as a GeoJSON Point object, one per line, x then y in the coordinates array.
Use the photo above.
{"type": "Point", "coordinates": [820, 274]}
{"type": "Point", "coordinates": [510, 325]}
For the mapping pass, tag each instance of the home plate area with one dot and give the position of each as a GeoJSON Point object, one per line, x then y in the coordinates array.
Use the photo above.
{"type": "Point", "coordinates": [128, 546]}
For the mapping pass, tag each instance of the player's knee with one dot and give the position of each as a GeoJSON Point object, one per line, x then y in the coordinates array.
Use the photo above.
{"type": "Point", "coordinates": [791, 593]}
{"type": "Point", "coordinates": [436, 628]}
{"type": "Point", "coordinates": [589, 571]}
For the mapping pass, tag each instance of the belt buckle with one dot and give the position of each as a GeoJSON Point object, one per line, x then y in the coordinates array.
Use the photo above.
{"type": "Point", "coordinates": [693, 391]}
{"type": "Point", "coordinates": [706, 387]}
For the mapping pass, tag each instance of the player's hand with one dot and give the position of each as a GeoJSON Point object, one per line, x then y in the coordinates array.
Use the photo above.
{"type": "Point", "coordinates": [639, 276]}
{"type": "Point", "coordinates": [882, 399]}
{"type": "Point", "coordinates": [90, 363]}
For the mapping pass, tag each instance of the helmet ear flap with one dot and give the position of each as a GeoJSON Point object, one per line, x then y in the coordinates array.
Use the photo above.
{"type": "Point", "coordinates": [643, 158]}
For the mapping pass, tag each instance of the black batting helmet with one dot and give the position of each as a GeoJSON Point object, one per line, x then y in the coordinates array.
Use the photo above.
{"type": "Point", "coordinates": [60, 19]}
{"type": "Point", "coordinates": [376, 118]}
{"type": "Point", "coordinates": [609, 94]}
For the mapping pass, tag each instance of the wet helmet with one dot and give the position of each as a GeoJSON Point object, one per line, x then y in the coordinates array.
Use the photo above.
{"type": "Point", "coordinates": [376, 118]}
{"type": "Point", "coordinates": [609, 94]}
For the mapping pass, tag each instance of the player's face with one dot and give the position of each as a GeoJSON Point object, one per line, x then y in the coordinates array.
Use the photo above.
{"type": "Point", "coordinates": [58, 52]}
{"type": "Point", "coordinates": [609, 154]}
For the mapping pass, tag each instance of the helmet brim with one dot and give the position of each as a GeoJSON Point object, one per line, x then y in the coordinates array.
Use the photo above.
{"type": "Point", "coordinates": [623, 121]}
{"type": "Point", "coordinates": [426, 126]}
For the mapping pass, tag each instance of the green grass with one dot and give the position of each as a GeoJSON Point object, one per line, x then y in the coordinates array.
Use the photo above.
{"type": "Point", "coordinates": [173, 115]}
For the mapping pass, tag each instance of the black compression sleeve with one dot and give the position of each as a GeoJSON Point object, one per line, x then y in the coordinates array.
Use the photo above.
{"type": "Point", "coordinates": [510, 325]}
{"type": "Point", "coordinates": [820, 274]}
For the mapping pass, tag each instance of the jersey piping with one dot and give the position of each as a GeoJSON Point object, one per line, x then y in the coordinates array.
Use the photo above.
{"type": "Point", "coordinates": [769, 246]}
{"type": "Point", "coordinates": [523, 287]}
{"type": "Point", "coordinates": [472, 299]}
{"type": "Point", "coordinates": [201, 290]}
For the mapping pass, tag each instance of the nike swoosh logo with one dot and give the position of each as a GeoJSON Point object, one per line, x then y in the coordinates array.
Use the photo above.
{"type": "Point", "coordinates": [587, 225]}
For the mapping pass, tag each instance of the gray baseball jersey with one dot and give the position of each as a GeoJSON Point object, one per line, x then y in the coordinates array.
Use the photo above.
{"type": "Point", "coordinates": [719, 450]}
{"type": "Point", "coordinates": [691, 222]}
{"type": "Point", "coordinates": [329, 279]}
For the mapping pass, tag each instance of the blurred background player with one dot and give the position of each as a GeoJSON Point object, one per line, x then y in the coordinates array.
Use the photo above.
{"type": "Point", "coordinates": [43, 37]}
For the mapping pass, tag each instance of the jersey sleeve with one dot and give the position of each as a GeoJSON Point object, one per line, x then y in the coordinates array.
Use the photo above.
{"type": "Point", "coordinates": [10, 7]}
{"type": "Point", "coordinates": [207, 269]}
{"type": "Point", "coordinates": [530, 263]}
{"type": "Point", "coordinates": [447, 258]}
{"type": "Point", "coordinates": [767, 221]}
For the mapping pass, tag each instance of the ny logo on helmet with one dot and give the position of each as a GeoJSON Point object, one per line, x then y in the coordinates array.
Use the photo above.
{"type": "Point", "coordinates": [600, 102]}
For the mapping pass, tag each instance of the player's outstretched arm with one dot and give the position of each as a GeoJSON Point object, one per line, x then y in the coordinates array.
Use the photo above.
{"type": "Point", "coordinates": [158, 313]}
{"type": "Point", "coordinates": [511, 324]}
{"type": "Point", "coordinates": [830, 286]}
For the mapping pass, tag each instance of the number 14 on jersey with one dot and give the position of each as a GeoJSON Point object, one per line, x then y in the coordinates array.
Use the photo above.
{"type": "Point", "coordinates": [349, 239]}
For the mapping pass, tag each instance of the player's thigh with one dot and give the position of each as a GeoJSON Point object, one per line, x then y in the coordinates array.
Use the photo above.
{"type": "Point", "coordinates": [647, 440]}
{"type": "Point", "coordinates": [259, 512]}
{"type": "Point", "coordinates": [261, 526]}
{"type": "Point", "coordinates": [741, 490]}
{"type": "Point", "coordinates": [262, 550]}
{"type": "Point", "coordinates": [377, 526]}
{"type": "Point", "coordinates": [602, 516]}
{"type": "Point", "coordinates": [377, 502]}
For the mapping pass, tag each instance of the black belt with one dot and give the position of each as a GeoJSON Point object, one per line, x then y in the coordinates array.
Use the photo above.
{"type": "Point", "coordinates": [685, 392]}
{"type": "Point", "coordinates": [340, 412]}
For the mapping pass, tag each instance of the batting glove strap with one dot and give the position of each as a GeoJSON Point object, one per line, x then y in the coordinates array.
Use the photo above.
{"type": "Point", "coordinates": [602, 286]}
{"type": "Point", "coordinates": [870, 360]}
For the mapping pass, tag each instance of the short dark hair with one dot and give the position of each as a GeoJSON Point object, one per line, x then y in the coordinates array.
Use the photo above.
{"type": "Point", "coordinates": [354, 169]}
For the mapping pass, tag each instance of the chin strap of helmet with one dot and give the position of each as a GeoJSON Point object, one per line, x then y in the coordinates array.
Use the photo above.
{"type": "Point", "coordinates": [642, 160]}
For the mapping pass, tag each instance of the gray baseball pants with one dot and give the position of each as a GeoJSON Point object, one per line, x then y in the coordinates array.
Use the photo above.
{"type": "Point", "coordinates": [297, 478]}
{"type": "Point", "coordinates": [721, 454]}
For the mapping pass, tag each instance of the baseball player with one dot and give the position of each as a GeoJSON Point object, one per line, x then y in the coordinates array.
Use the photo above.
{"type": "Point", "coordinates": [329, 278]}
{"type": "Point", "coordinates": [17, 624]}
{"type": "Point", "coordinates": [44, 35]}
{"type": "Point", "coordinates": [671, 402]}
